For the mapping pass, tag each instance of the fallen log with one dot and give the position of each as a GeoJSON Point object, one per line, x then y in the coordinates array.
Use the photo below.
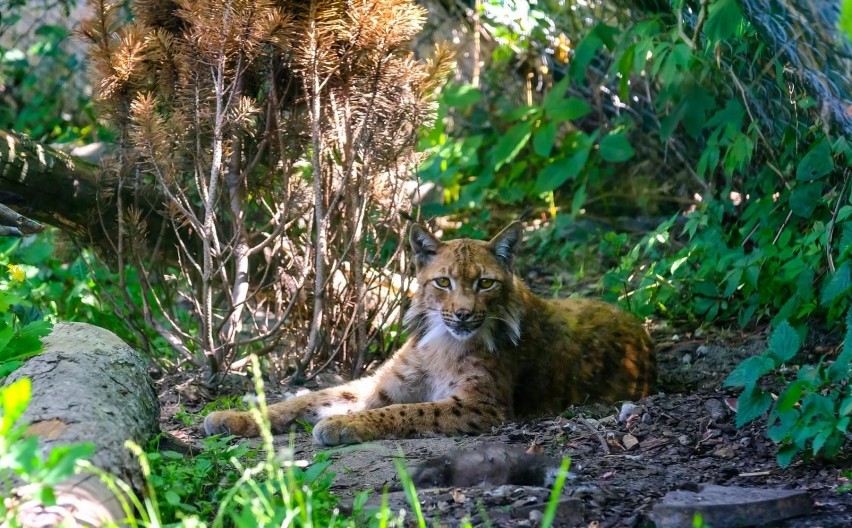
{"type": "Point", "coordinates": [87, 386]}
{"type": "Point", "coordinates": [48, 186]}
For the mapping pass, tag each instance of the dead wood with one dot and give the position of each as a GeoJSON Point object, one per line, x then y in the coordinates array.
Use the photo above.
{"type": "Point", "coordinates": [88, 386]}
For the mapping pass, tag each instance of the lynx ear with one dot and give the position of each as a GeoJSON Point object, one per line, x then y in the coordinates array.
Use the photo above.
{"type": "Point", "coordinates": [506, 244]}
{"type": "Point", "coordinates": [424, 244]}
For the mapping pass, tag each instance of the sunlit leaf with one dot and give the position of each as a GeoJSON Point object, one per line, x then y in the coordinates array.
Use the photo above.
{"type": "Point", "coordinates": [543, 139]}
{"type": "Point", "coordinates": [15, 398]}
{"type": "Point", "coordinates": [511, 143]}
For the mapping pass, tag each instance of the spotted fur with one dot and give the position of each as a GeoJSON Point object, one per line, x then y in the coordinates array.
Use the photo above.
{"type": "Point", "coordinates": [483, 348]}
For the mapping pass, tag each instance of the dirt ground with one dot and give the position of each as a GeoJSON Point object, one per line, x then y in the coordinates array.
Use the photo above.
{"type": "Point", "coordinates": [623, 459]}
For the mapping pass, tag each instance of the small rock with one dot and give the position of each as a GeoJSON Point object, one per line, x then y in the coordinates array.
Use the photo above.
{"type": "Point", "coordinates": [608, 420]}
{"type": "Point", "coordinates": [684, 440]}
{"type": "Point", "coordinates": [629, 441]}
{"type": "Point", "coordinates": [699, 333]}
{"type": "Point", "coordinates": [535, 517]}
{"type": "Point", "coordinates": [725, 452]}
{"type": "Point", "coordinates": [646, 419]}
{"type": "Point", "coordinates": [686, 359]}
{"type": "Point", "coordinates": [627, 409]}
{"type": "Point", "coordinates": [675, 338]}
{"type": "Point", "coordinates": [715, 409]}
{"type": "Point", "coordinates": [702, 350]}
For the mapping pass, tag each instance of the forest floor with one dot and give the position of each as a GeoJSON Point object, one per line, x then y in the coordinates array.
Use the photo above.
{"type": "Point", "coordinates": [621, 466]}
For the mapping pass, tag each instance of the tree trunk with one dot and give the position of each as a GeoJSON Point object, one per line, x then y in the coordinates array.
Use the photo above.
{"type": "Point", "coordinates": [88, 386]}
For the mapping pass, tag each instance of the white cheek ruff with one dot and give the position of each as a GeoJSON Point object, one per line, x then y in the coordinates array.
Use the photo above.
{"type": "Point", "coordinates": [435, 334]}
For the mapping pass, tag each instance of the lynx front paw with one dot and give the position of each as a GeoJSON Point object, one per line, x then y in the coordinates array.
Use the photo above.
{"type": "Point", "coordinates": [339, 430]}
{"type": "Point", "coordinates": [230, 423]}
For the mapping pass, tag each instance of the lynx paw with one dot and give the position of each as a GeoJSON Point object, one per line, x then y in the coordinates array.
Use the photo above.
{"type": "Point", "coordinates": [338, 430]}
{"type": "Point", "coordinates": [230, 423]}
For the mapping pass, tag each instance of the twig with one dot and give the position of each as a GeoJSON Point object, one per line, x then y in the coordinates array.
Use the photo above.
{"type": "Point", "coordinates": [833, 222]}
{"type": "Point", "coordinates": [595, 432]}
{"type": "Point", "coordinates": [781, 229]}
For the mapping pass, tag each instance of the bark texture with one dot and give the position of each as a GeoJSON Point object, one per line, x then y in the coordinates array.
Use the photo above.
{"type": "Point", "coordinates": [89, 386]}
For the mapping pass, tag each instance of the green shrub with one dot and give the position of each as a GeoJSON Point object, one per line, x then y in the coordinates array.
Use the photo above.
{"type": "Point", "coordinates": [813, 412]}
{"type": "Point", "coordinates": [21, 327]}
{"type": "Point", "coordinates": [693, 119]}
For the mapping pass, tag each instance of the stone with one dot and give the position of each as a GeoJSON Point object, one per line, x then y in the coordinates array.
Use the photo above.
{"type": "Point", "coordinates": [730, 506]}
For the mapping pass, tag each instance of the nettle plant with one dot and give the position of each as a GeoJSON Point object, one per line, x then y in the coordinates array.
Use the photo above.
{"type": "Point", "coordinates": [812, 413]}
{"type": "Point", "coordinates": [696, 116]}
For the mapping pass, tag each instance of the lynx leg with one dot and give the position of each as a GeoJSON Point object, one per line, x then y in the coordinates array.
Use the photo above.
{"type": "Point", "coordinates": [451, 416]}
{"type": "Point", "coordinates": [355, 396]}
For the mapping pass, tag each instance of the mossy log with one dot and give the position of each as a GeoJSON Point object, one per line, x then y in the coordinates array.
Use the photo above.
{"type": "Point", "coordinates": [88, 386]}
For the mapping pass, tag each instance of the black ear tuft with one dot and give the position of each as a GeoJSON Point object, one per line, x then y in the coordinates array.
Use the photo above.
{"type": "Point", "coordinates": [424, 244]}
{"type": "Point", "coordinates": [506, 244]}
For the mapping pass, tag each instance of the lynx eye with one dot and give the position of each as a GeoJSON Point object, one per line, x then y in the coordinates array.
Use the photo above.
{"type": "Point", "coordinates": [486, 284]}
{"type": "Point", "coordinates": [442, 282]}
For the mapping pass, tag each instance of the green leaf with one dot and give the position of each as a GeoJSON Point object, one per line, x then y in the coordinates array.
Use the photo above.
{"type": "Point", "coordinates": [6, 335]}
{"type": "Point", "coordinates": [15, 398]}
{"type": "Point", "coordinates": [461, 96]}
{"type": "Point", "coordinates": [817, 162]}
{"type": "Point", "coordinates": [789, 397]}
{"type": "Point", "coordinates": [842, 365]}
{"type": "Point", "coordinates": [568, 167]}
{"type": "Point", "coordinates": [8, 367]}
{"type": "Point", "coordinates": [172, 497]}
{"type": "Point", "coordinates": [845, 22]}
{"type": "Point", "coordinates": [555, 96]}
{"type": "Point", "coordinates": [749, 371]}
{"type": "Point", "coordinates": [579, 199]}
{"type": "Point", "coordinates": [786, 454]}
{"type": "Point", "coordinates": [805, 198]}
{"type": "Point", "coordinates": [543, 139]}
{"type": "Point", "coordinates": [568, 109]}
{"type": "Point", "coordinates": [47, 496]}
{"type": "Point", "coordinates": [839, 283]}
{"type": "Point", "coordinates": [820, 439]}
{"type": "Point", "coordinates": [846, 238]}
{"type": "Point", "coordinates": [511, 143]}
{"type": "Point", "coordinates": [615, 148]}
{"type": "Point", "coordinates": [845, 407]}
{"type": "Point", "coordinates": [723, 19]}
{"type": "Point", "coordinates": [63, 459]}
{"type": "Point", "coordinates": [784, 342]}
{"type": "Point", "coordinates": [35, 253]}
{"type": "Point", "coordinates": [751, 404]}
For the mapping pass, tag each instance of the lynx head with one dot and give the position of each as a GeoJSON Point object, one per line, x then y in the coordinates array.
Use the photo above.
{"type": "Point", "coordinates": [466, 291]}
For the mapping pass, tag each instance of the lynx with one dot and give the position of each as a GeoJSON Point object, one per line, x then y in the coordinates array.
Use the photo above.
{"type": "Point", "coordinates": [483, 349]}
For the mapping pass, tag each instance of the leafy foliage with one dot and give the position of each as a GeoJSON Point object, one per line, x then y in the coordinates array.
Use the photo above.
{"type": "Point", "coordinates": [42, 89]}
{"type": "Point", "coordinates": [690, 116]}
{"type": "Point", "coordinates": [21, 325]}
{"type": "Point", "coordinates": [812, 414]}
{"type": "Point", "coordinates": [61, 282]}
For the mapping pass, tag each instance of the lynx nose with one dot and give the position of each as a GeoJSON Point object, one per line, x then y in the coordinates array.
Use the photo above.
{"type": "Point", "coordinates": [462, 314]}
